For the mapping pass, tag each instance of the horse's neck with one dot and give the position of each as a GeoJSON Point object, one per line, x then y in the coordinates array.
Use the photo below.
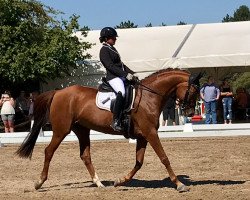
{"type": "Point", "coordinates": [166, 83]}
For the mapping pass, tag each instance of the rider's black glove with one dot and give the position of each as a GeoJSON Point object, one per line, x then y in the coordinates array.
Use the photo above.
{"type": "Point", "coordinates": [132, 78]}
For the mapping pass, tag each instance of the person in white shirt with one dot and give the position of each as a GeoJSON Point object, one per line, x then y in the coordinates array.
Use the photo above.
{"type": "Point", "coordinates": [7, 104]}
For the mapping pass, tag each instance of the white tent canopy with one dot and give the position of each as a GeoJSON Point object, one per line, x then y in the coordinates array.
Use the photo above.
{"type": "Point", "coordinates": [217, 48]}
{"type": "Point", "coordinates": [143, 49]}
{"type": "Point", "coordinates": [216, 45]}
{"type": "Point", "coordinates": [187, 46]}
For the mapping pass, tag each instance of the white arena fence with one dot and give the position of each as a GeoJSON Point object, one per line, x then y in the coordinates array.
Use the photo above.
{"type": "Point", "coordinates": [180, 131]}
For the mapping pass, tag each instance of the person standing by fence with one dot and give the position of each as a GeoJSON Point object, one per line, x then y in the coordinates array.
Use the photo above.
{"type": "Point", "coordinates": [169, 111]}
{"type": "Point", "coordinates": [22, 103]}
{"type": "Point", "coordinates": [227, 101]}
{"type": "Point", "coordinates": [7, 111]}
{"type": "Point", "coordinates": [210, 94]}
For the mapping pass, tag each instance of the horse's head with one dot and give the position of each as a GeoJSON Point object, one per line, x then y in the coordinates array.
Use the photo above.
{"type": "Point", "coordinates": [185, 86]}
{"type": "Point", "coordinates": [188, 93]}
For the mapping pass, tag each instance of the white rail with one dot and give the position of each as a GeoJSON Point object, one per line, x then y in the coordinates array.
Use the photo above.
{"type": "Point", "coordinates": [181, 131]}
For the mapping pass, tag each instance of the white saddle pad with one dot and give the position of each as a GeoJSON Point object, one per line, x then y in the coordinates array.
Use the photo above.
{"type": "Point", "coordinates": [103, 100]}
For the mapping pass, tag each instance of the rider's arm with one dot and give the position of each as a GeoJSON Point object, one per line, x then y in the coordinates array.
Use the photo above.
{"type": "Point", "coordinates": [114, 68]}
{"type": "Point", "coordinates": [128, 69]}
{"type": "Point", "coordinates": [202, 93]}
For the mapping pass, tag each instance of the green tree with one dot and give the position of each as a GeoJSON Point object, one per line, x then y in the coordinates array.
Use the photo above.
{"type": "Point", "coordinates": [149, 25]}
{"type": "Point", "coordinates": [241, 81]}
{"type": "Point", "coordinates": [126, 24]}
{"type": "Point", "coordinates": [241, 14]}
{"type": "Point", "coordinates": [181, 23]}
{"type": "Point", "coordinates": [34, 45]}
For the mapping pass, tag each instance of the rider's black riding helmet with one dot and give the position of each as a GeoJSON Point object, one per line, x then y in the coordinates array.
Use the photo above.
{"type": "Point", "coordinates": [107, 32]}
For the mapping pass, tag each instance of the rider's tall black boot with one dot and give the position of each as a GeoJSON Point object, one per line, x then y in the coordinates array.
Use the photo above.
{"type": "Point", "coordinates": [117, 110]}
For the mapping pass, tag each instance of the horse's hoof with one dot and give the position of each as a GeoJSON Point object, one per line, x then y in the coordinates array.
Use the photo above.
{"type": "Point", "coordinates": [117, 182]}
{"type": "Point", "coordinates": [100, 185]}
{"type": "Point", "coordinates": [38, 185]}
{"type": "Point", "coordinates": [183, 188]}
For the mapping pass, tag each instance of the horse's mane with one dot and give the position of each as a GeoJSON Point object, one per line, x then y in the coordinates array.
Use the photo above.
{"type": "Point", "coordinates": [155, 74]}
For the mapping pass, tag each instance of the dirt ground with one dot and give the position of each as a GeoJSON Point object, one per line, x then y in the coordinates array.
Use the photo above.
{"type": "Point", "coordinates": [213, 168]}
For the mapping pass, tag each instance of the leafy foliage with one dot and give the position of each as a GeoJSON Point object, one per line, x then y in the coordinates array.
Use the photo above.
{"type": "Point", "coordinates": [126, 24]}
{"type": "Point", "coordinates": [241, 14]}
{"type": "Point", "coordinates": [242, 81]}
{"type": "Point", "coordinates": [181, 23]}
{"type": "Point", "coordinates": [149, 25]}
{"type": "Point", "coordinates": [34, 45]}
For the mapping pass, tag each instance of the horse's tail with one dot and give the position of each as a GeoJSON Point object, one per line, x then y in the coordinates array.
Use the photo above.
{"type": "Point", "coordinates": [41, 111]}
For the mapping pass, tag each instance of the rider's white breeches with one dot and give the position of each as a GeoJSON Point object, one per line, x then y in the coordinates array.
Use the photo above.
{"type": "Point", "coordinates": [118, 85]}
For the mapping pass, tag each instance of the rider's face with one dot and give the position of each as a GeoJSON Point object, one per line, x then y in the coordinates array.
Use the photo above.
{"type": "Point", "coordinates": [111, 41]}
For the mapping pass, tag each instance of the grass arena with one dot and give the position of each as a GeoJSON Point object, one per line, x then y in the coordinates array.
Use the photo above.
{"type": "Point", "coordinates": [213, 168]}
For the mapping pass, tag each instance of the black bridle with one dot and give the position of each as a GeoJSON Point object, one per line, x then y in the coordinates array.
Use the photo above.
{"type": "Point", "coordinates": [185, 102]}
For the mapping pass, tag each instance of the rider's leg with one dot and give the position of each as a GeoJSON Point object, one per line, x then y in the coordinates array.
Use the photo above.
{"type": "Point", "coordinates": [117, 110]}
{"type": "Point", "coordinates": [118, 85]}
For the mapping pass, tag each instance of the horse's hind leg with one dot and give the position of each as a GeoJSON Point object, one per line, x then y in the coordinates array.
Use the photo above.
{"type": "Point", "coordinates": [140, 152]}
{"type": "Point", "coordinates": [49, 152]}
{"type": "Point", "coordinates": [83, 135]}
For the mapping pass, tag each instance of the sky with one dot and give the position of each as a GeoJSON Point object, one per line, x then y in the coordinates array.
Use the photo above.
{"type": "Point", "coordinates": [97, 14]}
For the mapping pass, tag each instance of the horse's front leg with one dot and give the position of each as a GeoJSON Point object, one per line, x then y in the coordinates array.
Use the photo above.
{"type": "Point", "coordinates": [153, 139]}
{"type": "Point", "coordinates": [140, 152]}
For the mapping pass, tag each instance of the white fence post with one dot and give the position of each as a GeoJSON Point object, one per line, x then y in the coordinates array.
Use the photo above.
{"type": "Point", "coordinates": [132, 140]}
{"type": "Point", "coordinates": [188, 127]}
{"type": "Point", "coordinates": [1, 145]}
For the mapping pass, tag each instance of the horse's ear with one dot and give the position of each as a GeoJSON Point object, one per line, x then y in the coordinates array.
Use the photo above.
{"type": "Point", "coordinates": [195, 78]}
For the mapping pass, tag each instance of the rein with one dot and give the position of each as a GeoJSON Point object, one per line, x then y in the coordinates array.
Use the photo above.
{"type": "Point", "coordinates": [149, 89]}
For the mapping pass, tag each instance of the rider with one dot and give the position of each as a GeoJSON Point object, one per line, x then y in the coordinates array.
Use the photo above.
{"type": "Point", "coordinates": [117, 72]}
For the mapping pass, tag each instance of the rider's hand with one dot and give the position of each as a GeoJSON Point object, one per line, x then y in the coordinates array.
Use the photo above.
{"type": "Point", "coordinates": [130, 77]}
{"type": "Point", "coordinates": [135, 78]}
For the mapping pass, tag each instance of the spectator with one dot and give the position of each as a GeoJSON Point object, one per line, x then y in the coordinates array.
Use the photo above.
{"type": "Point", "coordinates": [227, 100]}
{"type": "Point", "coordinates": [241, 103]}
{"type": "Point", "coordinates": [169, 111]}
{"type": "Point", "coordinates": [33, 97]}
{"type": "Point", "coordinates": [7, 111]}
{"type": "Point", "coordinates": [22, 104]}
{"type": "Point", "coordinates": [241, 98]}
{"type": "Point", "coordinates": [210, 94]}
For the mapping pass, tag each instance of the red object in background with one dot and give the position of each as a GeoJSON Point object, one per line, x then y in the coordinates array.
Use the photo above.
{"type": "Point", "coordinates": [196, 118]}
{"type": "Point", "coordinates": [202, 108]}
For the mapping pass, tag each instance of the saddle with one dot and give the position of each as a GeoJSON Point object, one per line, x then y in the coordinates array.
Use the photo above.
{"type": "Point", "coordinates": [104, 87]}
{"type": "Point", "coordinates": [106, 98]}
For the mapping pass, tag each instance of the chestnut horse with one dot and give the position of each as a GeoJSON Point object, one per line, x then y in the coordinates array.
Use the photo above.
{"type": "Point", "coordinates": [74, 108]}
